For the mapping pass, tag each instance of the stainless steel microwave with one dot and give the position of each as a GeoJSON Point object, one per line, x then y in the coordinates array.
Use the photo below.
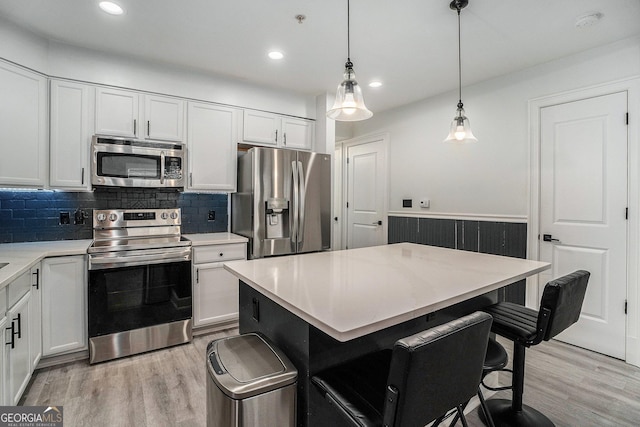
{"type": "Point", "coordinates": [121, 162]}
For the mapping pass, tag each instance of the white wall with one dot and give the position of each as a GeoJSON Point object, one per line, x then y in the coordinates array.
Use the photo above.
{"type": "Point", "coordinates": [491, 176]}
{"type": "Point", "coordinates": [23, 47]}
{"type": "Point", "coordinates": [70, 62]}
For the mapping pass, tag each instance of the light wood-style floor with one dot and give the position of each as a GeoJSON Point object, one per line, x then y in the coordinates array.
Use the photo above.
{"type": "Point", "coordinates": [572, 386]}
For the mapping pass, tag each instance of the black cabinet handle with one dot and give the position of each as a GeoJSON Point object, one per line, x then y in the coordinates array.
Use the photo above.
{"type": "Point", "coordinates": [13, 341]}
{"type": "Point", "coordinates": [19, 319]}
{"type": "Point", "coordinates": [37, 274]}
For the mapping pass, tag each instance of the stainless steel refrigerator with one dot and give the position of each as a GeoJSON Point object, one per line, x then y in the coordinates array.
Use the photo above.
{"type": "Point", "coordinates": [283, 201]}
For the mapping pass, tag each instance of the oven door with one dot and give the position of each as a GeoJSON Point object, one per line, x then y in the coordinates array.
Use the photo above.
{"type": "Point", "coordinates": [139, 296]}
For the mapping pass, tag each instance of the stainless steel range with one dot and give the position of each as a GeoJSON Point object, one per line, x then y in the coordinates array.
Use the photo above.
{"type": "Point", "coordinates": [139, 283]}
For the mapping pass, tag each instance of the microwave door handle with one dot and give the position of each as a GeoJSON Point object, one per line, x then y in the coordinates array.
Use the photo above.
{"type": "Point", "coordinates": [294, 208]}
{"type": "Point", "coordinates": [303, 193]}
{"type": "Point", "coordinates": [162, 156]}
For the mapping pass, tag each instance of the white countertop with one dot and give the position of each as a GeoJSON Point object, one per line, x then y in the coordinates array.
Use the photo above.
{"type": "Point", "coordinates": [22, 256]}
{"type": "Point", "coordinates": [351, 293]}
{"type": "Point", "coordinates": [214, 238]}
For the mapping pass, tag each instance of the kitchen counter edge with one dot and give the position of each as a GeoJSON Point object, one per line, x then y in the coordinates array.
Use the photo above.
{"type": "Point", "coordinates": [22, 256]}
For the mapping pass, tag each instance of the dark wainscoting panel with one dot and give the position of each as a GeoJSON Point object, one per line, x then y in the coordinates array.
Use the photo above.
{"type": "Point", "coordinates": [490, 237]}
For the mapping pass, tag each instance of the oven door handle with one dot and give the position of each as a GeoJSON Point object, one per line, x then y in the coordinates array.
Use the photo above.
{"type": "Point", "coordinates": [131, 259]}
{"type": "Point", "coordinates": [162, 172]}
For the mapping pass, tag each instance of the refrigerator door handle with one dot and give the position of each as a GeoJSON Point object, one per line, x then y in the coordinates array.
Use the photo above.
{"type": "Point", "coordinates": [296, 201]}
{"type": "Point", "coordinates": [303, 193]}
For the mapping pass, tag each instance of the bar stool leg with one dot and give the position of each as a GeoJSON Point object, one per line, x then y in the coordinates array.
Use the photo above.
{"type": "Point", "coordinates": [512, 412]}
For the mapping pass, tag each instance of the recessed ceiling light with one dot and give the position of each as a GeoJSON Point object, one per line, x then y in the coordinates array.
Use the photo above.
{"type": "Point", "coordinates": [375, 83]}
{"type": "Point", "coordinates": [274, 54]}
{"type": "Point", "coordinates": [111, 8]}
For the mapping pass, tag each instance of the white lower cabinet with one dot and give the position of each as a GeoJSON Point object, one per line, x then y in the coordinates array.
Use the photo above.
{"type": "Point", "coordinates": [4, 356]}
{"type": "Point", "coordinates": [18, 357]}
{"type": "Point", "coordinates": [215, 290]}
{"type": "Point", "coordinates": [35, 320]}
{"type": "Point", "coordinates": [64, 305]}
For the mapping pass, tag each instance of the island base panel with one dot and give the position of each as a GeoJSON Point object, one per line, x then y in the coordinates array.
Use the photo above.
{"type": "Point", "coordinates": [312, 350]}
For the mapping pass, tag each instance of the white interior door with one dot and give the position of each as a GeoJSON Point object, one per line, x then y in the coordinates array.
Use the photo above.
{"type": "Point", "coordinates": [583, 201]}
{"type": "Point", "coordinates": [366, 178]}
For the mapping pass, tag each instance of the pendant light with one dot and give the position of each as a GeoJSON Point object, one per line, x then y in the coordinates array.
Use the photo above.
{"type": "Point", "coordinates": [349, 105]}
{"type": "Point", "coordinates": [460, 127]}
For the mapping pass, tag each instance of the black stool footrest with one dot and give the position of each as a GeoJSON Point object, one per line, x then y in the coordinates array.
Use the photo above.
{"type": "Point", "coordinates": [503, 415]}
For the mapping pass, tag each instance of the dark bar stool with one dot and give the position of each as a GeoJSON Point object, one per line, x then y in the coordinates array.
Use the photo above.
{"type": "Point", "coordinates": [495, 359]}
{"type": "Point", "coordinates": [419, 381]}
{"type": "Point", "coordinates": [559, 308]}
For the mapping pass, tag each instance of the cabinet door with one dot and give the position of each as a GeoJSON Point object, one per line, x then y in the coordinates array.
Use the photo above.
{"type": "Point", "coordinates": [164, 117]}
{"type": "Point", "coordinates": [212, 146]}
{"type": "Point", "coordinates": [4, 365]}
{"type": "Point", "coordinates": [215, 295]}
{"type": "Point", "coordinates": [297, 133]}
{"type": "Point", "coordinates": [116, 112]}
{"type": "Point", "coordinates": [23, 127]}
{"type": "Point", "coordinates": [71, 106]}
{"type": "Point", "coordinates": [18, 343]}
{"type": "Point", "coordinates": [35, 321]}
{"type": "Point", "coordinates": [261, 128]}
{"type": "Point", "coordinates": [64, 305]}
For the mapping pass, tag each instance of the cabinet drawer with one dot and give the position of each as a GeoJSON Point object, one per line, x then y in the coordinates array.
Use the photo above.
{"type": "Point", "coordinates": [217, 253]}
{"type": "Point", "coordinates": [19, 287]}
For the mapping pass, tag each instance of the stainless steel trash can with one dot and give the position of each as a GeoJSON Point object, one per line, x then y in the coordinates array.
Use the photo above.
{"type": "Point", "coordinates": [250, 383]}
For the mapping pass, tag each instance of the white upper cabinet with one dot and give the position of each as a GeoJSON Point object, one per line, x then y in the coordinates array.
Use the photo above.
{"type": "Point", "coordinates": [212, 139]}
{"type": "Point", "coordinates": [134, 115]}
{"type": "Point", "coordinates": [117, 112]}
{"type": "Point", "coordinates": [72, 106]}
{"type": "Point", "coordinates": [23, 127]}
{"type": "Point", "coordinates": [261, 128]}
{"type": "Point", "coordinates": [164, 117]}
{"type": "Point", "coordinates": [297, 133]}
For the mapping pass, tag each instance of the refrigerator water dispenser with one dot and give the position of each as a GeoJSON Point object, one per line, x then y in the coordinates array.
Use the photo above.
{"type": "Point", "coordinates": [277, 218]}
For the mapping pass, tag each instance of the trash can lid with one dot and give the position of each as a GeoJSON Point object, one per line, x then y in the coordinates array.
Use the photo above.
{"type": "Point", "coordinates": [246, 365]}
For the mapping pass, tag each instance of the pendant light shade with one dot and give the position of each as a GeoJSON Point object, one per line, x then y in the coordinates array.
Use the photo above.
{"type": "Point", "coordinates": [460, 130]}
{"type": "Point", "coordinates": [349, 104]}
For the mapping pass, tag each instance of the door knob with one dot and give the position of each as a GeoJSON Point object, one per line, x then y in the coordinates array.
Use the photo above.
{"type": "Point", "coordinates": [549, 238]}
{"type": "Point", "coordinates": [377, 223]}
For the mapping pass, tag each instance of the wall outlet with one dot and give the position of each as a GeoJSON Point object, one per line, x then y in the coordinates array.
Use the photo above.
{"type": "Point", "coordinates": [425, 203]}
{"type": "Point", "coordinates": [211, 216]}
{"type": "Point", "coordinates": [64, 218]}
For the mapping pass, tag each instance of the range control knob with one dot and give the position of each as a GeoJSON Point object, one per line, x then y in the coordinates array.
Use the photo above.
{"type": "Point", "coordinates": [113, 217]}
{"type": "Point", "coordinates": [174, 215]}
{"type": "Point", "coordinates": [164, 215]}
{"type": "Point", "coordinates": [101, 217]}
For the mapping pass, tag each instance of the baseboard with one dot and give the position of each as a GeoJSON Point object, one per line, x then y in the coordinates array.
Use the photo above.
{"type": "Point", "coordinates": [205, 330]}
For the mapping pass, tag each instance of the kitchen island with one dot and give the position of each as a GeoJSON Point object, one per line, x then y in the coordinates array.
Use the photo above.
{"type": "Point", "coordinates": [325, 308]}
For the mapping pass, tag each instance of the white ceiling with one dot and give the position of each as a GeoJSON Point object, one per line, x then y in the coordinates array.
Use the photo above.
{"type": "Point", "coordinates": [410, 45]}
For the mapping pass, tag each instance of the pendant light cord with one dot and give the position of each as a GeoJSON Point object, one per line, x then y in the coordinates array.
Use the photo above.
{"type": "Point", "coordinates": [459, 64]}
{"type": "Point", "coordinates": [348, 32]}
